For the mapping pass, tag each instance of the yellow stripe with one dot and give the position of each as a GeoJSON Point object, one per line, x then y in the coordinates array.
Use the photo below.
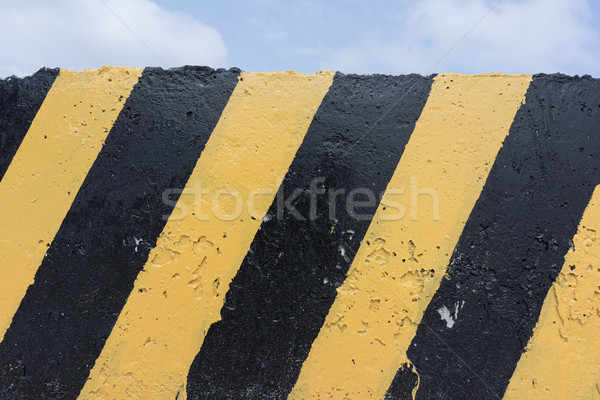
{"type": "Point", "coordinates": [180, 292]}
{"type": "Point", "coordinates": [401, 262]}
{"type": "Point", "coordinates": [49, 168]}
{"type": "Point", "coordinates": [562, 359]}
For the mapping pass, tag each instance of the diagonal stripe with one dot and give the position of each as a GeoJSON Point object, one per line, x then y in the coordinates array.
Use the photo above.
{"type": "Point", "coordinates": [180, 292]}
{"type": "Point", "coordinates": [280, 296]}
{"type": "Point", "coordinates": [513, 244]}
{"type": "Point", "coordinates": [20, 100]}
{"type": "Point", "coordinates": [103, 243]}
{"type": "Point", "coordinates": [48, 169]}
{"type": "Point", "coordinates": [403, 257]}
{"type": "Point", "coordinates": [562, 359]}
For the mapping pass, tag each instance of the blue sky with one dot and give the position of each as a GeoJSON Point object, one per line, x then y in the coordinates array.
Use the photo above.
{"type": "Point", "coordinates": [467, 36]}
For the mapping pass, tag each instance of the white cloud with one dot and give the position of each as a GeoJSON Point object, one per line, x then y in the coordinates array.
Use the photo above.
{"type": "Point", "coordinates": [81, 34]}
{"type": "Point", "coordinates": [517, 36]}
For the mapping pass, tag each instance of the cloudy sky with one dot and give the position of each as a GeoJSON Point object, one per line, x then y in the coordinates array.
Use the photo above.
{"type": "Point", "coordinates": [375, 36]}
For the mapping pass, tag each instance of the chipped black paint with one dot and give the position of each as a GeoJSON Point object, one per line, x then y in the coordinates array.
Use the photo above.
{"type": "Point", "coordinates": [280, 297]}
{"type": "Point", "coordinates": [407, 380]}
{"type": "Point", "coordinates": [104, 241]}
{"type": "Point", "coordinates": [20, 100]}
{"type": "Point", "coordinates": [513, 245]}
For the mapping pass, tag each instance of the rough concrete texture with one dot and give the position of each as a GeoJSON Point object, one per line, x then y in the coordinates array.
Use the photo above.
{"type": "Point", "coordinates": [214, 234]}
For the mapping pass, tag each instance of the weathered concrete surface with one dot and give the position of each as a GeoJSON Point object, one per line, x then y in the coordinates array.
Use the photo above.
{"type": "Point", "coordinates": [198, 233]}
{"type": "Point", "coordinates": [288, 280]}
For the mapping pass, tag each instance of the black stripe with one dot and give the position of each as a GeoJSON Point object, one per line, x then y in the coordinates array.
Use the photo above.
{"type": "Point", "coordinates": [103, 243]}
{"type": "Point", "coordinates": [20, 100]}
{"type": "Point", "coordinates": [280, 297]}
{"type": "Point", "coordinates": [405, 378]}
{"type": "Point", "coordinates": [513, 245]}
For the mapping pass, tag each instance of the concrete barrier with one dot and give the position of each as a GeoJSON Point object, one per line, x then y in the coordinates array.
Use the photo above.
{"type": "Point", "coordinates": [198, 233]}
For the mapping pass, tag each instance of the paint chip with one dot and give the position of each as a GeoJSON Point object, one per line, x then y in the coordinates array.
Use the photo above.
{"type": "Point", "coordinates": [450, 316]}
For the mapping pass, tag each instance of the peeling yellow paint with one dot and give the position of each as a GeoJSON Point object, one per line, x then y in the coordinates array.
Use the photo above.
{"type": "Point", "coordinates": [562, 358]}
{"type": "Point", "coordinates": [180, 291]}
{"type": "Point", "coordinates": [400, 264]}
{"type": "Point", "coordinates": [48, 169]}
